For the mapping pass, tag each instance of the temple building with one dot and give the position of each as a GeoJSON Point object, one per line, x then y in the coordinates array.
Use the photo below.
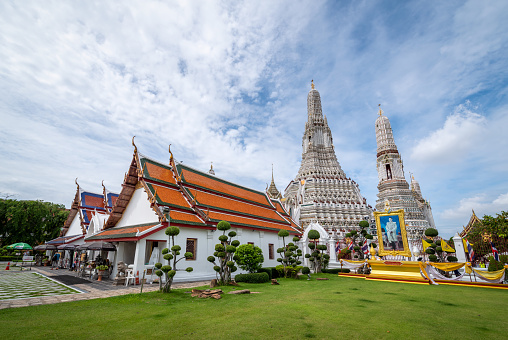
{"type": "Point", "coordinates": [155, 195]}
{"type": "Point", "coordinates": [321, 194]}
{"type": "Point", "coordinates": [394, 191]}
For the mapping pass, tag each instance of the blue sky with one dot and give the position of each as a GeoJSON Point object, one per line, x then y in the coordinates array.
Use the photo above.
{"type": "Point", "coordinates": [227, 82]}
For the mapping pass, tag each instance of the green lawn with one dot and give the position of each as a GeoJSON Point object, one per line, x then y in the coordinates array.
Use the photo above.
{"type": "Point", "coordinates": [338, 308]}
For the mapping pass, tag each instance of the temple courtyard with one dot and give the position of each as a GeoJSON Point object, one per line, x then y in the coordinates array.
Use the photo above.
{"type": "Point", "coordinates": [335, 308]}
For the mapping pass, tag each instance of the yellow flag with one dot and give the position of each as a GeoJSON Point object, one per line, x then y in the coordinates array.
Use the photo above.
{"type": "Point", "coordinates": [446, 247]}
{"type": "Point", "coordinates": [425, 245]}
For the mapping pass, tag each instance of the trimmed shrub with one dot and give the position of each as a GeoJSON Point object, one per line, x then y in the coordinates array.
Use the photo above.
{"type": "Point", "coordinates": [313, 234]}
{"type": "Point", "coordinates": [266, 270]}
{"type": "Point", "coordinates": [253, 277]}
{"type": "Point", "coordinates": [494, 265]}
{"type": "Point", "coordinates": [305, 270]}
{"type": "Point", "coordinates": [452, 259]}
{"type": "Point", "coordinates": [335, 270]}
{"type": "Point", "coordinates": [503, 258]}
{"type": "Point", "coordinates": [432, 258]}
{"type": "Point", "coordinates": [431, 232]}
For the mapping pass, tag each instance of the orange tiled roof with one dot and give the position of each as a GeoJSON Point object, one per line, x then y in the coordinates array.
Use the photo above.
{"type": "Point", "coordinates": [213, 200]}
{"type": "Point", "coordinates": [193, 177]}
{"type": "Point", "coordinates": [157, 171]}
{"type": "Point", "coordinates": [94, 201]}
{"type": "Point", "coordinates": [169, 195]}
{"type": "Point", "coordinates": [124, 232]}
{"type": "Point", "coordinates": [246, 221]}
{"type": "Point", "coordinates": [184, 217]}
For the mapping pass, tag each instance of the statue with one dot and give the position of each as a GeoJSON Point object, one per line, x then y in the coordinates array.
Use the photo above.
{"type": "Point", "coordinates": [122, 267]}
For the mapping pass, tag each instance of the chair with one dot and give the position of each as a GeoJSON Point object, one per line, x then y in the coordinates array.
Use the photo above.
{"type": "Point", "coordinates": [129, 274]}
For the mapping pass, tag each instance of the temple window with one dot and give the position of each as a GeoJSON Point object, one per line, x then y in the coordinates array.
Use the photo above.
{"type": "Point", "coordinates": [388, 171]}
{"type": "Point", "coordinates": [191, 248]}
{"type": "Point", "coordinates": [270, 251]}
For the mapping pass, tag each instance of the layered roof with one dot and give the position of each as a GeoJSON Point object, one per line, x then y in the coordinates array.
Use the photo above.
{"type": "Point", "coordinates": [474, 222]}
{"type": "Point", "coordinates": [85, 203]}
{"type": "Point", "coordinates": [195, 199]}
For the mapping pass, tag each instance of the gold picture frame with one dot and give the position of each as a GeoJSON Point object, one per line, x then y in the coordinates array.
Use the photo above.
{"type": "Point", "coordinates": [392, 241]}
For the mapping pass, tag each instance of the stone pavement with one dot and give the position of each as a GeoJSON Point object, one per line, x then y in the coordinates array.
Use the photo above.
{"type": "Point", "coordinates": [92, 290]}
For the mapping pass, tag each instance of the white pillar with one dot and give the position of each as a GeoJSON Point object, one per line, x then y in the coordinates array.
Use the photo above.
{"type": "Point", "coordinates": [139, 257]}
{"type": "Point", "coordinates": [333, 255]}
{"type": "Point", "coordinates": [459, 248]}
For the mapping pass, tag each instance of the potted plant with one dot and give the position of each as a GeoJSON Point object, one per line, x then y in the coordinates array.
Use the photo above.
{"type": "Point", "coordinates": [102, 271]}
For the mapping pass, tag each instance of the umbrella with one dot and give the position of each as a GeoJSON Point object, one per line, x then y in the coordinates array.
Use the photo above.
{"type": "Point", "coordinates": [67, 247]}
{"type": "Point", "coordinates": [99, 246]}
{"type": "Point", "coordinates": [19, 246]}
{"type": "Point", "coordinates": [45, 247]}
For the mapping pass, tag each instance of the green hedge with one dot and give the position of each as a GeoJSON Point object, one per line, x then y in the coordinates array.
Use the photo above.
{"type": "Point", "coordinates": [266, 270]}
{"type": "Point", "coordinates": [335, 270]}
{"type": "Point", "coordinates": [272, 272]}
{"type": "Point", "coordinates": [253, 277]}
{"type": "Point", "coordinates": [10, 258]}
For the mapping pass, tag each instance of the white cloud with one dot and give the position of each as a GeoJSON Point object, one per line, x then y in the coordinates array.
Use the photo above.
{"type": "Point", "coordinates": [482, 204]}
{"type": "Point", "coordinates": [461, 132]}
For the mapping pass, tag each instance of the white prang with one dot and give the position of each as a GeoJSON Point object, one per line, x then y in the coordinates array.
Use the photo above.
{"type": "Point", "coordinates": [321, 192]}
{"type": "Point", "coordinates": [393, 190]}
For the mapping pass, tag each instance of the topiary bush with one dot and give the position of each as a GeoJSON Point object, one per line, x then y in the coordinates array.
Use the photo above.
{"type": "Point", "coordinates": [253, 277]}
{"type": "Point", "coordinates": [266, 270]}
{"type": "Point", "coordinates": [305, 270]}
{"type": "Point", "coordinates": [224, 256]}
{"type": "Point", "coordinates": [335, 270]}
{"type": "Point", "coordinates": [451, 259]}
{"type": "Point", "coordinates": [170, 255]}
{"type": "Point", "coordinates": [432, 258]}
{"type": "Point", "coordinates": [431, 232]}
{"type": "Point", "coordinates": [289, 256]}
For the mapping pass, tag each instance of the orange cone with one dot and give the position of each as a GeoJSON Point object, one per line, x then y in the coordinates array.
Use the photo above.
{"type": "Point", "coordinates": [8, 264]}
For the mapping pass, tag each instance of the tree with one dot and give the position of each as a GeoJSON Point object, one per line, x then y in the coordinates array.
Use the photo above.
{"type": "Point", "coordinates": [359, 238]}
{"type": "Point", "coordinates": [318, 258]}
{"type": "Point", "coordinates": [249, 257]}
{"type": "Point", "coordinates": [224, 256]}
{"type": "Point", "coordinates": [289, 255]}
{"type": "Point", "coordinates": [497, 225]}
{"type": "Point", "coordinates": [32, 222]}
{"type": "Point", "coordinates": [171, 254]}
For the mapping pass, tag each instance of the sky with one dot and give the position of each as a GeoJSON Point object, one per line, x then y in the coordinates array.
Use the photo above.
{"type": "Point", "coordinates": [227, 82]}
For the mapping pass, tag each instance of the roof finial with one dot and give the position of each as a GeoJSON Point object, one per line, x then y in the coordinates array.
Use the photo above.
{"type": "Point", "coordinates": [380, 111]}
{"type": "Point", "coordinates": [134, 145]}
{"type": "Point", "coordinates": [272, 172]}
{"type": "Point", "coordinates": [171, 157]}
{"type": "Point", "coordinates": [76, 181]}
{"type": "Point", "coordinates": [211, 171]}
{"type": "Point", "coordinates": [312, 84]}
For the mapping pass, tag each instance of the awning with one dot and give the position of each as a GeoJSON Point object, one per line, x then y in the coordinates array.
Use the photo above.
{"type": "Point", "coordinates": [97, 246]}
{"type": "Point", "coordinates": [45, 247]}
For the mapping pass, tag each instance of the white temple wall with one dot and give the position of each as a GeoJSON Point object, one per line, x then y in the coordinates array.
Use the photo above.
{"type": "Point", "coordinates": [75, 227]}
{"type": "Point", "coordinates": [134, 253]}
{"type": "Point", "coordinates": [138, 211]}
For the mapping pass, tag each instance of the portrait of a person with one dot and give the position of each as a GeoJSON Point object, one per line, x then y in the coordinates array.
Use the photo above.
{"type": "Point", "coordinates": [391, 227]}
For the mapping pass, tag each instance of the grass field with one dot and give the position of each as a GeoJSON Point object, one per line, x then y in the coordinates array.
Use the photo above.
{"type": "Point", "coordinates": [339, 308]}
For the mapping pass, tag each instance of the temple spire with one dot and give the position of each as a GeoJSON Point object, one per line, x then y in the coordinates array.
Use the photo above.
{"type": "Point", "coordinates": [272, 190]}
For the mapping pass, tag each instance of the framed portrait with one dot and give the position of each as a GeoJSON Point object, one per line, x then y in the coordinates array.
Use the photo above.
{"type": "Point", "coordinates": [391, 233]}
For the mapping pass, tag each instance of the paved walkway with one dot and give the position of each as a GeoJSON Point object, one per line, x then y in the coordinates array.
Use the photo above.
{"type": "Point", "coordinates": [26, 288]}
